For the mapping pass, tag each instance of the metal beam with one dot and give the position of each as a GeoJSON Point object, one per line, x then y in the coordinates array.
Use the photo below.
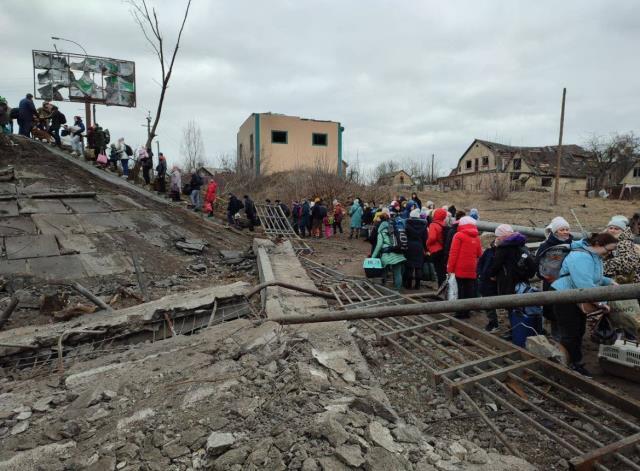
{"type": "Point", "coordinates": [587, 461]}
{"type": "Point", "coordinates": [603, 293]}
{"type": "Point", "coordinates": [533, 232]}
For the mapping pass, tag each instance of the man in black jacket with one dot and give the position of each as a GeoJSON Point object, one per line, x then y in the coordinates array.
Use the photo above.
{"type": "Point", "coordinates": [57, 120]}
{"type": "Point", "coordinates": [233, 207]}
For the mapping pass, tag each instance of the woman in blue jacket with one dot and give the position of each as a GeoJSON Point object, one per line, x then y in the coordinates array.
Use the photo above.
{"type": "Point", "coordinates": [582, 268]}
{"type": "Point", "coordinates": [355, 212]}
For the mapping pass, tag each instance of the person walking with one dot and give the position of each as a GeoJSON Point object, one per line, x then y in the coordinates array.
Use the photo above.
{"type": "Point", "coordinates": [305, 216]}
{"type": "Point", "coordinates": [161, 173]}
{"type": "Point", "coordinates": [338, 215]}
{"type": "Point", "coordinates": [176, 183]}
{"type": "Point", "coordinates": [416, 230]}
{"type": "Point", "coordinates": [100, 140]}
{"type": "Point", "coordinates": [233, 207]}
{"type": "Point", "coordinates": [210, 197]}
{"type": "Point", "coordinates": [123, 156]}
{"type": "Point", "coordinates": [487, 285]}
{"type": "Point", "coordinates": [195, 185]}
{"type": "Point", "coordinates": [463, 260]}
{"type": "Point", "coordinates": [582, 268]}
{"type": "Point", "coordinates": [435, 243]}
{"type": "Point", "coordinates": [512, 263]}
{"type": "Point", "coordinates": [146, 162]}
{"type": "Point", "coordinates": [560, 233]}
{"type": "Point", "coordinates": [250, 211]}
{"type": "Point", "coordinates": [355, 213]}
{"type": "Point", "coordinates": [57, 120]}
{"type": "Point", "coordinates": [26, 112]}
{"type": "Point", "coordinates": [316, 218]}
{"type": "Point", "coordinates": [383, 250]}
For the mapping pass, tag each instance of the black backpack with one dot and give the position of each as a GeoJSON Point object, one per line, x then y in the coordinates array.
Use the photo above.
{"type": "Point", "coordinates": [107, 136]}
{"type": "Point", "coordinates": [526, 265]}
{"type": "Point", "coordinates": [399, 242]}
{"type": "Point", "coordinates": [14, 113]}
{"type": "Point", "coordinates": [128, 150]}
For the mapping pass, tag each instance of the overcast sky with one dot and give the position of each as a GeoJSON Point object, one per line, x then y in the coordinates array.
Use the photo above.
{"type": "Point", "coordinates": [406, 79]}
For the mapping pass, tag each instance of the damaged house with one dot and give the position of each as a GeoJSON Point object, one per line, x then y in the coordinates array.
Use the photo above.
{"type": "Point", "coordinates": [527, 167]}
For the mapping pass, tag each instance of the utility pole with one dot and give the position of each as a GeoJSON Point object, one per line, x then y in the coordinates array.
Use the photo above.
{"type": "Point", "coordinates": [559, 156]}
{"type": "Point", "coordinates": [148, 124]}
{"type": "Point", "coordinates": [433, 156]}
{"type": "Point", "coordinates": [94, 112]}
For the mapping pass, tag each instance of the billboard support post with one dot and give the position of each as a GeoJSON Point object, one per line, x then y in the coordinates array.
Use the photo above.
{"type": "Point", "coordinates": [87, 112]}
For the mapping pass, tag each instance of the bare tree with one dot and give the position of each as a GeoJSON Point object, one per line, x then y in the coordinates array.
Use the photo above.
{"type": "Point", "coordinates": [498, 187]}
{"type": "Point", "coordinates": [612, 157]}
{"type": "Point", "coordinates": [148, 22]}
{"type": "Point", "coordinates": [192, 147]}
{"type": "Point", "coordinates": [383, 168]}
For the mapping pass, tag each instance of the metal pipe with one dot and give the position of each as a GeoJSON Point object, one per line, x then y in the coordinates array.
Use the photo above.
{"type": "Point", "coordinates": [533, 232]}
{"type": "Point", "coordinates": [602, 293]}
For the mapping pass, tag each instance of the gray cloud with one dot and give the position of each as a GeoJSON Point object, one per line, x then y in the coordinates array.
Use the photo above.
{"type": "Point", "coordinates": [407, 79]}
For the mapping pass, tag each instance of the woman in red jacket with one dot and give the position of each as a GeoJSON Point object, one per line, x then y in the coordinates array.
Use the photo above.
{"type": "Point", "coordinates": [435, 243]}
{"type": "Point", "coordinates": [463, 260]}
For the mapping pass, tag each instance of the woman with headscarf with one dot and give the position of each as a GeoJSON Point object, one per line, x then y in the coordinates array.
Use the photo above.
{"type": "Point", "coordinates": [416, 230]}
{"type": "Point", "coordinates": [559, 233]}
{"type": "Point", "coordinates": [355, 213]}
{"type": "Point", "coordinates": [624, 264]}
{"type": "Point", "coordinates": [383, 250]}
{"type": "Point", "coordinates": [581, 268]}
{"type": "Point", "coordinates": [463, 260]}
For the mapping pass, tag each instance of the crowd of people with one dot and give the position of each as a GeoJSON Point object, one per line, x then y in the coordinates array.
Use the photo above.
{"type": "Point", "coordinates": [409, 238]}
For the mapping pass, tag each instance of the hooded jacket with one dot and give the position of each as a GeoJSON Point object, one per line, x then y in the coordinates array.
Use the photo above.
{"type": "Point", "coordinates": [383, 241]}
{"type": "Point", "coordinates": [355, 212]}
{"type": "Point", "coordinates": [211, 192]}
{"type": "Point", "coordinates": [435, 240]}
{"type": "Point", "coordinates": [581, 269]}
{"type": "Point", "coordinates": [465, 252]}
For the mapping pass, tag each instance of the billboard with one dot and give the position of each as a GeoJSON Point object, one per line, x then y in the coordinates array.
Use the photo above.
{"type": "Point", "coordinates": [63, 76]}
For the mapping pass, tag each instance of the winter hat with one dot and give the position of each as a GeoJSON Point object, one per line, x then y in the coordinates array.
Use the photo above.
{"type": "Point", "coordinates": [503, 230]}
{"type": "Point", "coordinates": [430, 204]}
{"type": "Point", "coordinates": [619, 221]}
{"type": "Point", "coordinates": [414, 213]}
{"type": "Point", "coordinates": [424, 213]}
{"type": "Point", "coordinates": [474, 213]}
{"type": "Point", "coordinates": [558, 223]}
{"type": "Point", "coordinates": [467, 221]}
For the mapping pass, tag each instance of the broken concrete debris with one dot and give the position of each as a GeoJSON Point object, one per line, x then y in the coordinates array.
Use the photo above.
{"type": "Point", "coordinates": [191, 246]}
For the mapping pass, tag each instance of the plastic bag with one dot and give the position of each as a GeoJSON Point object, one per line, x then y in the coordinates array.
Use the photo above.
{"type": "Point", "coordinates": [452, 287]}
{"type": "Point", "coordinates": [603, 332]}
{"type": "Point", "coordinates": [625, 315]}
{"type": "Point", "coordinates": [102, 159]}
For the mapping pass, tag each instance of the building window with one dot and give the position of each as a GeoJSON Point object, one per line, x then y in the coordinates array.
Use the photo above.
{"type": "Point", "coordinates": [279, 137]}
{"type": "Point", "coordinates": [515, 176]}
{"type": "Point", "coordinates": [636, 172]}
{"type": "Point", "coordinates": [319, 139]}
{"type": "Point", "coordinates": [251, 143]}
{"type": "Point", "coordinates": [517, 164]}
{"type": "Point", "coordinates": [402, 179]}
{"type": "Point", "coordinates": [546, 181]}
{"type": "Point", "coordinates": [485, 161]}
{"type": "Point", "coordinates": [468, 164]}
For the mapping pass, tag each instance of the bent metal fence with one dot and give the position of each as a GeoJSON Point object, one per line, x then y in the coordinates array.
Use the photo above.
{"type": "Point", "coordinates": [276, 225]}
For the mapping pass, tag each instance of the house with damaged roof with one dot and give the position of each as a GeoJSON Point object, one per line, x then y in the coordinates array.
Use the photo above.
{"type": "Point", "coordinates": [527, 168]}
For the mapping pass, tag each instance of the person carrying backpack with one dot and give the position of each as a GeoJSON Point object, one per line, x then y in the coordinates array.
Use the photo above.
{"type": "Point", "coordinates": [463, 260]}
{"type": "Point", "coordinates": [338, 215]}
{"type": "Point", "coordinates": [384, 250]}
{"type": "Point", "coordinates": [416, 230]}
{"type": "Point", "coordinates": [57, 120]}
{"type": "Point", "coordinates": [560, 238]}
{"type": "Point", "coordinates": [488, 286]}
{"type": "Point", "coordinates": [581, 268]}
{"type": "Point", "coordinates": [435, 243]}
{"type": "Point", "coordinates": [512, 263]}
{"type": "Point", "coordinates": [305, 215]}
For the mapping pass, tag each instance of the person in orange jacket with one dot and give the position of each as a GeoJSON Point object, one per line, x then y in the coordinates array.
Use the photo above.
{"type": "Point", "coordinates": [435, 243]}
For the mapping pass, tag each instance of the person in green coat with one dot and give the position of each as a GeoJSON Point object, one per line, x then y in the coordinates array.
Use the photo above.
{"type": "Point", "coordinates": [355, 212]}
{"type": "Point", "coordinates": [394, 260]}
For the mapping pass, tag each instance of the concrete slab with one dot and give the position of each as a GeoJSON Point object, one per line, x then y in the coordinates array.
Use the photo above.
{"type": "Point", "coordinates": [8, 208]}
{"type": "Point", "coordinates": [7, 188]}
{"type": "Point", "coordinates": [31, 246]}
{"type": "Point", "coordinates": [58, 223]}
{"type": "Point", "coordinates": [62, 267]}
{"type": "Point", "coordinates": [14, 267]}
{"type": "Point", "coordinates": [105, 222]}
{"type": "Point", "coordinates": [120, 202]}
{"type": "Point", "coordinates": [30, 206]}
{"type": "Point", "coordinates": [103, 265]}
{"type": "Point", "coordinates": [86, 205]}
{"type": "Point", "coordinates": [37, 187]}
{"type": "Point", "coordinates": [17, 226]}
{"type": "Point", "coordinates": [75, 243]}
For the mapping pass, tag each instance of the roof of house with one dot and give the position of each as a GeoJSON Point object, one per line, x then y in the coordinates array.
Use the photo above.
{"type": "Point", "coordinates": [389, 176]}
{"type": "Point", "coordinates": [575, 161]}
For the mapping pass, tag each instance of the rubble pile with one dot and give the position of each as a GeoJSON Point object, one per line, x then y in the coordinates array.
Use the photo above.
{"type": "Point", "coordinates": [237, 396]}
